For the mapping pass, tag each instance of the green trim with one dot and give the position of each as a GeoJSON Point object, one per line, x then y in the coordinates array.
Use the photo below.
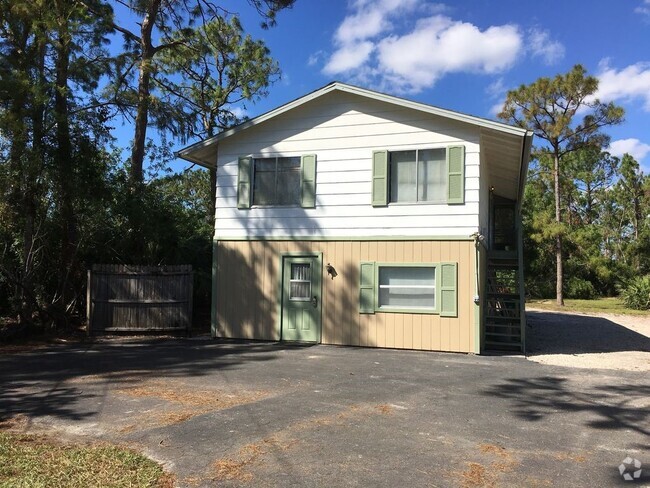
{"type": "Point", "coordinates": [346, 238]}
{"type": "Point", "coordinates": [367, 287]}
{"type": "Point", "coordinates": [298, 254]}
{"type": "Point", "coordinates": [434, 311]}
{"type": "Point", "coordinates": [478, 306]}
{"type": "Point", "coordinates": [308, 181]}
{"type": "Point", "coordinates": [380, 178]}
{"type": "Point", "coordinates": [448, 292]}
{"type": "Point", "coordinates": [522, 285]}
{"type": "Point", "coordinates": [455, 175]}
{"type": "Point", "coordinates": [244, 182]}
{"type": "Point", "coordinates": [213, 306]}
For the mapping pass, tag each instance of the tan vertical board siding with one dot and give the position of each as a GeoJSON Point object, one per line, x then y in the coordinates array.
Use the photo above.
{"type": "Point", "coordinates": [248, 307]}
{"type": "Point", "coordinates": [417, 319]}
{"type": "Point", "coordinates": [432, 327]}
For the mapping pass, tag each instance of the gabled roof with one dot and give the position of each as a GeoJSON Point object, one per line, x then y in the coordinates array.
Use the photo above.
{"type": "Point", "coordinates": [194, 152]}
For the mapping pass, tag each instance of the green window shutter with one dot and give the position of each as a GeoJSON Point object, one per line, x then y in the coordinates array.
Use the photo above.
{"type": "Point", "coordinates": [448, 290]}
{"type": "Point", "coordinates": [456, 174]}
{"type": "Point", "coordinates": [367, 287]}
{"type": "Point", "coordinates": [308, 180]}
{"type": "Point", "coordinates": [379, 178]}
{"type": "Point", "coordinates": [244, 192]}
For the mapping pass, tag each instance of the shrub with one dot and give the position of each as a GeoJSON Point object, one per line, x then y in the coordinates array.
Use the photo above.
{"type": "Point", "coordinates": [580, 288]}
{"type": "Point", "coordinates": [636, 293]}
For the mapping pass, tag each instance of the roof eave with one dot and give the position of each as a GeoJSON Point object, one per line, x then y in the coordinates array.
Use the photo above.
{"type": "Point", "coordinates": [470, 119]}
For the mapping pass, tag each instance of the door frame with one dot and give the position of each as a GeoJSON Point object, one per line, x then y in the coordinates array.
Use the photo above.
{"type": "Point", "coordinates": [318, 255]}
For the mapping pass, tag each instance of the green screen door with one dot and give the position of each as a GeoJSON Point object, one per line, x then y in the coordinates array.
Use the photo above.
{"type": "Point", "coordinates": [301, 299]}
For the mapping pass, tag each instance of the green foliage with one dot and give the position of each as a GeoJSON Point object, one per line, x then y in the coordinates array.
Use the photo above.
{"type": "Point", "coordinates": [580, 288]}
{"type": "Point", "coordinates": [569, 165]}
{"type": "Point", "coordinates": [67, 198]}
{"type": "Point", "coordinates": [636, 294]}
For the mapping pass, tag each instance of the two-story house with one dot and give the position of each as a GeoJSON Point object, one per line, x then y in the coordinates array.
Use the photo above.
{"type": "Point", "coordinates": [352, 217]}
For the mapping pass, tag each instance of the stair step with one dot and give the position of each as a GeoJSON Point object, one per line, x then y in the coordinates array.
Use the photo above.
{"type": "Point", "coordinates": [511, 296]}
{"type": "Point", "coordinates": [499, 346]}
{"type": "Point", "coordinates": [503, 334]}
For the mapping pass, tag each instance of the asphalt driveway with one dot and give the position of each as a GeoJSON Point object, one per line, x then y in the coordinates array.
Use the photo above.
{"type": "Point", "coordinates": [259, 414]}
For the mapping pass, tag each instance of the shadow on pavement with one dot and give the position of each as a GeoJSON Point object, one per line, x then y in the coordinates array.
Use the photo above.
{"type": "Point", "coordinates": [562, 333]}
{"type": "Point", "coordinates": [42, 382]}
{"type": "Point", "coordinates": [622, 406]}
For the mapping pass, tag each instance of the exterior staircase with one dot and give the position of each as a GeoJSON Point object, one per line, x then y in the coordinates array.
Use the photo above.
{"type": "Point", "coordinates": [504, 309]}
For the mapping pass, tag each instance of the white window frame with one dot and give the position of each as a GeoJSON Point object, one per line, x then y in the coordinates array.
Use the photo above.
{"type": "Point", "coordinates": [423, 310]}
{"type": "Point", "coordinates": [443, 199]}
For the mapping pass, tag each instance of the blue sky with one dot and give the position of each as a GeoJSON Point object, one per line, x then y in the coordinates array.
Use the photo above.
{"type": "Point", "coordinates": [464, 55]}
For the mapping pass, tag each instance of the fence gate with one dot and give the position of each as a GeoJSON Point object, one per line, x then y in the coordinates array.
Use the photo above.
{"type": "Point", "coordinates": [123, 298]}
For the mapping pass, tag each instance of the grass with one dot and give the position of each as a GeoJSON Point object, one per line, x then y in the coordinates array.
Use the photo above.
{"type": "Point", "coordinates": [36, 461]}
{"type": "Point", "coordinates": [598, 305]}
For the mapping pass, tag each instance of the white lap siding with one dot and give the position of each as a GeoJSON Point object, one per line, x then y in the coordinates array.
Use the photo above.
{"type": "Point", "coordinates": [343, 130]}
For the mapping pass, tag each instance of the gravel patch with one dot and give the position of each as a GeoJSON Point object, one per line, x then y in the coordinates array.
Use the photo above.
{"type": "Point", "coordinates": [602, 341]}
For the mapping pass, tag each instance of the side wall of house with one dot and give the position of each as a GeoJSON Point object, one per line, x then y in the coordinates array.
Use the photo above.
{"type": "Point", "coordinates": [247, 293]}
{"type": "Point", "coordinates": [342, 130]}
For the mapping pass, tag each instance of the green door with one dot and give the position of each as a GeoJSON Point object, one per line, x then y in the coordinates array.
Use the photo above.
{"type": "Point", "coordinates": [301, 299]}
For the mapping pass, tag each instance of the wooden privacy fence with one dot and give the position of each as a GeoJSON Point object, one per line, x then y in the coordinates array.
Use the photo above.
{"type": "Point", "coordinates": [123, 298]}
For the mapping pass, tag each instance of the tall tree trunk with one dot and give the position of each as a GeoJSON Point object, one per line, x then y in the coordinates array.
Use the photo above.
{"type": "Point", "coordinates": [64, 162]}
{"type": "Point", "coordinates": [147, 53]}
{"type": "Point", "coordinates": [558, 238]}
{"type": "Point", "coordinates": [212, 207]}
{"type": "Point", "coordinates": [33, 170]}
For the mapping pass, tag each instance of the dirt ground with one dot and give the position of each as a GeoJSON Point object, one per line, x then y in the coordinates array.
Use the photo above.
{"type": "Point", "coordinates": [602, 341]}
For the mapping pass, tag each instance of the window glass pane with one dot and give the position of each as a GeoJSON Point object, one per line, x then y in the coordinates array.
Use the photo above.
{"type": "Point", "coordinates": [289, 186]}
{"type": "Point", "coordinates": [300, 282]}
{"type": "Point", "coordinates": [411, 275]}
{"type": "Point", "coordinates": [407, 298]}
{"type": "Point", "coordinates": [403, 173]}
{"type": "Point", "coordinates": [301, 272]}
{"type": "Point", "coordinates": [264, 181]}
{"type": "Point", "coordinates": [289, 163]}
{"type": "Point", "coordinates": [407, 287]}
{"type": "Point", "coordinates": [276, 181]}
{"type": "Point", "coordinates": [432, 177]}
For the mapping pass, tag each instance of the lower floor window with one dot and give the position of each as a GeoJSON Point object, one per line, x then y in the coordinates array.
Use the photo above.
{"type": "Point", "coordinates": [407, 287]}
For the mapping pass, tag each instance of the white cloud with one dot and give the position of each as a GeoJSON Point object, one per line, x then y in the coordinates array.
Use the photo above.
{"type": "Point", "coordinates": [439, 45]}
{"type": "Point", "coordinates": [496, 108]}
{"type": "Point", "coordinates": [496, 89]}
{"type": "Point", "coordinates": [369, 50]}
{"type": "Point", "coordinates": [239, 111]}
{"type": "Point", "coordinates": [542, 46]}
{"type": "Point", "coordinates": [349, 57]}
{"type": "Point", "coordinates": [626, 85]}
{"type": "Point", "coordinates": [634, 147]}
{"type": "Point", "coordinates": [644, 9]}
{"type": "Point", "coordinates": [315, 58]}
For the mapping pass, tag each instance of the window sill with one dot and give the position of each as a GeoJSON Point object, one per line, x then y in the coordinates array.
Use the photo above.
{"type": "Point", "coordinates": [401, 204]}
{"type": "Point", "coordinates": [423, 311]}
{"type": "Point", "coordinates": [293, 205]}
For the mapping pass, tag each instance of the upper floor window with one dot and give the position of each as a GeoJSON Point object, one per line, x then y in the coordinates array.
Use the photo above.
{"type": "Point", "coordinates": [418, 176]}
{"type": "Point", "coordinates": [276, 181]}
